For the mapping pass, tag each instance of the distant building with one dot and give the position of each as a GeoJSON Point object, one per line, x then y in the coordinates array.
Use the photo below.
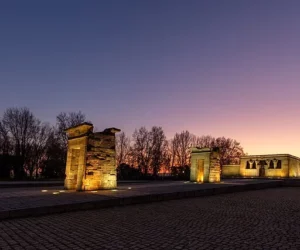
{"type": "Point", "coordinates": [272, 165]}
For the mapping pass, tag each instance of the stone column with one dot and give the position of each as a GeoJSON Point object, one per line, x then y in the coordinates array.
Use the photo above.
{"type": "Point", "coordinates": [214, 169]}
{"type": "Point", "coordinates": [251, 163]}
{"type": "Point", "coordinates": [268, 163]}
{"type": "Point", "coordinates": [76, 155]}
{"type": "Point", "coordinates": [275, 163]}
{"type": "Point", "coordinates": [257, 163]}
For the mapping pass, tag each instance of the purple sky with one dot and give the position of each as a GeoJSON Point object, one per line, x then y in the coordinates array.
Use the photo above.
{"type": "Point", "coordinates": [224, 68]}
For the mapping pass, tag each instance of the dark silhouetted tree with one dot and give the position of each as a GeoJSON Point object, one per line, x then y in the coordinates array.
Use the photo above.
{"type": "Point", "coordinates": [181, 144]}
{"type": "Point", "coordinates": [142, 149]}
{"type": "Point", "coordinates": [38, 149]}
{"type": "Point", "coordinates": [63, 121]}
{"type": "Point", "coordinates": [230, 149]}
{"type": "Point", "coordinates": [158, 147]}
{"type": "Point", "coordinates": [66, 120]}
{"type": "Point", "coordinates": [5, 153]}
{"type": "Point", "coordinates": [21, 126]}
{"type": "Point", "coordinates": [54, 162]}
{"type": "Point", "coordinates": [122, 148]}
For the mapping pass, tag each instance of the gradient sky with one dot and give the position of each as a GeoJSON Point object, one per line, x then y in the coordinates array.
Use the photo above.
{"type": "Point", "coordinates": [223, 68]}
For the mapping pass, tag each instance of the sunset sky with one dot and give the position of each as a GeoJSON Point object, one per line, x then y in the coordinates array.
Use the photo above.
{"type": "Point", "coordinates": [221, 68]}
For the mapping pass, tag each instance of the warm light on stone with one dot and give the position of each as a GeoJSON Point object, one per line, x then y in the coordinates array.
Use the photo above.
{"type": "Point", "coordinates": [272, 165]}
{"type": "Point", "coordinates": [205, 165]}
{"type": "Point", "coordinates": [91, 163]}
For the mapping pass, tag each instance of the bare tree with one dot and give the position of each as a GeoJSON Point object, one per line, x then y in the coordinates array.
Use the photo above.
{"type": "Point", "coordinates": [5, 142]}
{"type": "Point", "coordinates": [63, 121]}
{"type": "Point", "coordinates": [5, 152]}
{"type": "Point", "coordinates": [66, 120]}
{"type": "Point", "coordinates": [20, 125]}
{"type": "Point", "coordinates": [158, 140]}
{"type": "Point", "coordinates": [181, 144]}
{"type": "Point", "coordinates": [205, 141]}
{"type": "Point", "coordinates": [53, 164]}
{"type": "Point", "coordinates": [230, 150]}
{"type": "Point", "coordinates": [37, 150]}
{"type": "Point", "coordinates": [142, 149]}
{"type": "Point", "coordinates": [122, 148]}
{"type": "Point", "coordinates": [167, 156]}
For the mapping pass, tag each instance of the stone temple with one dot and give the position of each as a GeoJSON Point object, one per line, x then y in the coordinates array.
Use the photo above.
{"type": "Point", "coordinates": [91, 163]}
{"type": "Point", "coordinates": [271, 165]}
{"type": "Point", "coordinates": [205, 166]}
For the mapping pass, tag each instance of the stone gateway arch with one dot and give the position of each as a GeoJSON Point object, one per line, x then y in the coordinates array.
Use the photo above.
{"type": "Point", "coordinates": [91, 158]}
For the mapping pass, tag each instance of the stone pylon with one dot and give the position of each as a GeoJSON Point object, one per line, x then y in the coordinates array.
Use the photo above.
{"type": "Point", "coordinates": [205, 165]}
{"type": "Point", "coordinates": [91, 162]}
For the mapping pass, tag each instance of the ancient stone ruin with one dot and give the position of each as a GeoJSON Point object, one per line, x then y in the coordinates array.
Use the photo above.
{"type": "Point", "coordinates": [91, 163]}
{"type": "Point", "coordinates": [205, 165]}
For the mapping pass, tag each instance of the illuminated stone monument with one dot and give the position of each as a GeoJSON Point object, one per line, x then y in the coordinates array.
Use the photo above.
{"type": "Point", "coordinates": [91, 163]}
{"type": "Point", "coordinates": [271, 165]}
{"type": "Point", "coordinates": [205, 165]}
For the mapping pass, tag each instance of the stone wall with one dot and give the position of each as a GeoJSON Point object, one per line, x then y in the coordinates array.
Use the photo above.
{"type": "Point", "coordinates": [294, 167]}
{"type": "Point", "coordinates": [91, 163]}
{"type": "Point", "coordinates": [244, 172]}
{"type": "Point", "coordinates": [273, 165]}
{"type": "Point", "coordinates": [230, 170]}
{"type": "Point", "coordinates": [280, 172]}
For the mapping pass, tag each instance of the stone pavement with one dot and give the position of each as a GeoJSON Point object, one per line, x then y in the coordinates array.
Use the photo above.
{"type": "Point", "coordinates": [32, 201]}
{"type": "Point", "coordinates": [264, 219]}
{"type": "Point", "coordinates": [18, 184]}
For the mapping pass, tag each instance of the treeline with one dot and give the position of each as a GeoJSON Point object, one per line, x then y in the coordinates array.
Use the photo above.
{"type": "Point", "coordinates": [148, 152]}
{"type": "Point", "coordinates": [32, 149]}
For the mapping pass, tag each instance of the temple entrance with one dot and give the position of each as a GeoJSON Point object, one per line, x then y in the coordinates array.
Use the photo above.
{"type": "Point", "coordinates": [262, 171]}
{"type": "Point", "coordinates": [200, 168]}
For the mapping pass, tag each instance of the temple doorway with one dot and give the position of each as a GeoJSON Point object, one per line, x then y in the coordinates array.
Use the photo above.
{"type": "Point", "coordinates": [200, 170]}
{"type": "Point", "coordinates": [262, 171]}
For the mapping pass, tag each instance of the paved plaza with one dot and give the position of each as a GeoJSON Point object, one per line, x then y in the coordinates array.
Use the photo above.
{"type": "Point", "coordinates": [264, 219]}
{"type": "Point", "coordinates": [25, 201]}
